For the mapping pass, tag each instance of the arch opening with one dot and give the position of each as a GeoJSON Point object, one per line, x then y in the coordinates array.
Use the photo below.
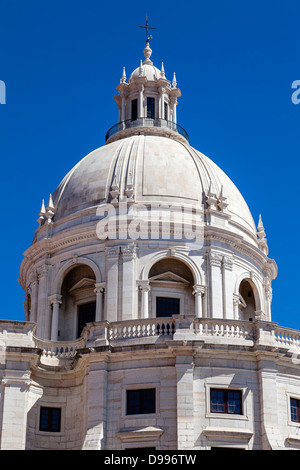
{"type": "Point", "coordinates": [78, 305]}
{"type": "Point", "coordinates": [171, 289]}
{"type": "Point", "coordinates": [247, 301]}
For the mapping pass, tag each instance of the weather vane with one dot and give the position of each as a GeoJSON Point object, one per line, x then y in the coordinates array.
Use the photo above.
{"type": "Point", "coordinates": [147, 27]}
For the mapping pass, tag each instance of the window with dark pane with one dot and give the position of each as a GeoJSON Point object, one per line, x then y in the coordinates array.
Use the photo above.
{"type": "Point", "coordinates": [167, 306]}
{"type": "Point", "coordinates": [86, 314]}
{"type": "Point", "coordinates": [295, 410]}
{"type": "Point", "coordinates": [226, 401]}
{"type": "Point", "coordinates": [134, 107]}
{"type": "Point", "coordinates": [166, 111]}
{"type": "Point", "coordinates": [150, 108]}
{"type": "Point", "coordinates": [140, 401]}
{"type": "Point", "coordinates": [50, 419]}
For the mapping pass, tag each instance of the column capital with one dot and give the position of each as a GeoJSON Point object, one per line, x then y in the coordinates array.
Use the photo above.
{"type": "Point", "coordinates": [227, 263]}
{"type": "Point", "coordinates": [99, 287]}
{"type": "Point", "coordinates": [128, 252]}
{"type": "Point", "coordinates": [43, 271]}
{"type": "Point", "coordinates": [55, 299]}
{"type": "Point", "coordinates": [144, 286]}
{"type": "Point", "coordinates": [199, 289]}
{"type": "Point", "coordinates": [215, 259]}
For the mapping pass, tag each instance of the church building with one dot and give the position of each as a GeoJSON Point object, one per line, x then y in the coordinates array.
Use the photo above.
{"type": "Point", "coordinates": [148, 301]}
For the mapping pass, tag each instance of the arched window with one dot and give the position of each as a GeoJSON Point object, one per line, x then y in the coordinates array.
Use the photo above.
{"type": "Point", "coordinates": [247, 304]}
{"type": "Point", "coordinates": [171, 284]}
{"type": "Point", "coordinates": [78, 301]}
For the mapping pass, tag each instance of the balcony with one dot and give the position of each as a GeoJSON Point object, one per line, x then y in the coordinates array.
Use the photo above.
{"type": "Point", "coordinates": [180, 328]}
{"type": "Point", "coordinates": [146, 126]}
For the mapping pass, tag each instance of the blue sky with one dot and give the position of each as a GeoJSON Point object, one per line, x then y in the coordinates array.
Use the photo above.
{"type": "Point", "coordinates": [235, 63]}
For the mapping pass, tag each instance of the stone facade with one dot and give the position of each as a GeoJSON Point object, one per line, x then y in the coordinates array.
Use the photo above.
{"type": "Point", "coordinates": [148, 302]}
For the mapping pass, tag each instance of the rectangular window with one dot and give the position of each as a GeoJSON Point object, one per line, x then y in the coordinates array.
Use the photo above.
{"type": "Point", "coordinates": [226, 401]}
{"type": "Point", "coordinates": [295, 410]}
{"type": "Point", "coordinates": [166, 111]}
{"type": "Point", "coordinates": [150, 108]}
{"type": "Point", "coordinates": [140, 401]}
{"type": "Point", "coordinates": [50, 419]}
{"type": "Point", "coordinates": [167, 306]}
{"type": "Point", "coordinates": [134, 105]}
{"type": "Point", "coordinates": [86, 314]}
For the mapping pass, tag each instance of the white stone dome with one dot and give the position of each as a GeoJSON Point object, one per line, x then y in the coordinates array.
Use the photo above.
{"type": "Point", "coordinates": [160, 169]}
{"type": "Point", "coordinates": [151, 72]}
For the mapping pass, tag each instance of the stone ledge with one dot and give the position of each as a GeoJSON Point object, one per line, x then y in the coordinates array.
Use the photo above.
{"type": "Point", "coordinates": [148, 431]}
{"type": "Point", "coordinates": [227, 432]}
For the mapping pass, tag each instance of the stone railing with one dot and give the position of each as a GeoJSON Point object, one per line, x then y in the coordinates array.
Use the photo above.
{"type": "Point", "coordinates": [59, 349]}
{"type": "Point", "coordinates": [176, 328]}
{"type": "Point", "coordinates": [142, 328]}
{"type": "Point", "coordinates": [208, 327]}
{"type": "Point", "coordinates": [287, 337]}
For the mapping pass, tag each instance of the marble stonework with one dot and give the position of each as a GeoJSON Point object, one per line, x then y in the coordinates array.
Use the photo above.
{"type": "Point", "coordinates": [92, 330]}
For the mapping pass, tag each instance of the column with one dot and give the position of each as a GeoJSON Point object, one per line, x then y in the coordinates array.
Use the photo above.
{"type": "Point", "coordinates": [185, 402]}
{"type": "Point", "coordinates": [268, 298]}
{"type": "Point", "coordinates": [141, 100]}
{"type": "Point", "coordinates": [112, 284]}
{"type": "Point", "coordinates": [34, 287]}
{"type": "Point", "coordinates": [55, 301]}
{"type": "Point", "coordinates": [162, 109]}
{"type": "Point", "coordinates": [227, 264]}
{"type": "Point", "coordinates": [123, 108]}
{"type": "Point", "coordinates": [99, 291]}
{"type": "Point", "coordinates": [175, 112]}
{"type": "Point", "coordinates": [216, 297]}
{"type": "Point", "coordinates": [236, 306]}
{"type": "Point", "coordinates": [129, 282]}
{"type": "Point", "coordinates": [43, 314]}
{"type": "Point", "coordinates": [199, 292]}
{"type": "Point", "coordinates": [144, 286]}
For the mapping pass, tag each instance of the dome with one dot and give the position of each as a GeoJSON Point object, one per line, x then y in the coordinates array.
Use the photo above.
{"type": "Point", "coordinates": [159, 169]}
{"type": "Point", "coordinates": [149, 71]}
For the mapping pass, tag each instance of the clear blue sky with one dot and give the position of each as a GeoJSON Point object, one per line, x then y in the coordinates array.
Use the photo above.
{"type": "Point", "coordinates": [235, 63]}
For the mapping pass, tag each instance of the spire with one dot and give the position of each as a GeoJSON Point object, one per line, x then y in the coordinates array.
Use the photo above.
{"type": "Point", "coordinates": [141, 70]}
{"type": "Point", "coordinates": [50, 210]}
{"type": "Point", "coordinates": [42, 214]}
{"type": "Point", "coordinates": [261, 235]}
{"type": "Point", "coordinates": [222, 204]}
{"type": "Point", "coordinates": [162, 71]}
{"type": "Point", "coordinates": [174, 82]}
{"type": "Point", "coordinates": [123, 78]}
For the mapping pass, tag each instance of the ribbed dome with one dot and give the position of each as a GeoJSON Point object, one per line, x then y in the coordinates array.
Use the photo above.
{"type": "Point", "coordinates": [149, 71]}
{"type": "Point", "coordinates": [160, 169]}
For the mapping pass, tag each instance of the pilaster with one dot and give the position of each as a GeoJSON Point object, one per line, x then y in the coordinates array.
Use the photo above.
{"type": "Point", "coordinates": [128, 254]}
{"type": "Point", "coordinates": [112, 263]}
{"type": "Point", "coordinates": [216, 297]}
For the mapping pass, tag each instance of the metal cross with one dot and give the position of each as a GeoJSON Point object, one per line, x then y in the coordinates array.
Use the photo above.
{"type": "Point", "coordinates": [147, 27]}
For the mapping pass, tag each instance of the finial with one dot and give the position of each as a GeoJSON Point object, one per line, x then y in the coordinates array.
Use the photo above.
{"type": "Point", "coordinates": [260, 228]}
{"type": "Point", "coordinates": [43, 210]}
{"type": "Point", "coordinates": [42, 213]}
{"type": "Point", "coordinates": [123, 79]}
{"type": "Point", "coordinates": [222, 204]}
{"type": "Point", "coordinates": [174, 82]}
{"type": "Point", "coordinates": [141, 70]}
{"type": "Point", "coordinates": [162, 71]}
{"type": "Point", "coordinates": [50, 210]}
{"type": "Point", "coordinates": [147, 53]}
{"type": "Point", "coordinates": [147, 27]}
{"type": "Point", "coordinates": [262, 241]}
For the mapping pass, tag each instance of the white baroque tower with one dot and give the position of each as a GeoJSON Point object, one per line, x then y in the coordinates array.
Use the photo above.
{"type": "Point", "coordinates": [148, 301]}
